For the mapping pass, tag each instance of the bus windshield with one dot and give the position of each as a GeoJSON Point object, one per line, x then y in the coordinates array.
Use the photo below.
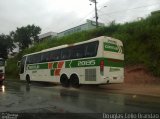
{"type": "Point", "coordinates": [2, 62]}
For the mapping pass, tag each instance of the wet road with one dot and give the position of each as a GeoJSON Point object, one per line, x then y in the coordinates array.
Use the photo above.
{"type": "Point", "coordinates": [38, 97]}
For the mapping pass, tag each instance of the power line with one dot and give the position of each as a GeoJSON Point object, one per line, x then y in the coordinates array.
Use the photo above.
{"type": "Point", "coordinates": [121, 15]}
{"type": "Point", "coordinates": [87, 15]}
{"type": "Point", "coordinates": [110, 12]}
{"type": "Point", "coordinates": [80, 19]}
{"type": "Point", "coordinates": [128, 9]}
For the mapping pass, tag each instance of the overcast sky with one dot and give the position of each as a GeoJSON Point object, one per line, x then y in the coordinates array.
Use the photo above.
{"type": "Point", "coordinates": [59, 15]}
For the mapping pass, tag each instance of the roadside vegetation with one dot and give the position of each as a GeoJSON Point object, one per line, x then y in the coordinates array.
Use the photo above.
{"type": "Point", "coordinates": [141, 43]}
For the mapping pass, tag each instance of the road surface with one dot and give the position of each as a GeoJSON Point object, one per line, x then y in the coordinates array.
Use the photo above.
{"type": "Point", "coordinates": [18, 97]}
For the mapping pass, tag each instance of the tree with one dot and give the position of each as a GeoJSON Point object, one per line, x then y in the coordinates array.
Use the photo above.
{"type": "Point", "coordinates": [6, 45]}
{"type": "Point", "coordinates": [26, 35]}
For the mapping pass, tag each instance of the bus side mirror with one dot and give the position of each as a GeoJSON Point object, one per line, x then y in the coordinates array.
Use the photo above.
{"type": "Point", "coordinates": [18, 63]}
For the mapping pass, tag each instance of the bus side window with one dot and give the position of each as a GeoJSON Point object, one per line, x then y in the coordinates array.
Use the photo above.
{"type": "Point", "coordinates": [73, 52]}
{"type": "Point", "coordinates": [91, 49]}
{"type": "Point", "coordinates": [78, 52]}
{"type": "Point", "coordinates": [65, 54]}
{"type": "Point", "coordinates": [28, 60]}
{"type": "Point", "coordinates": [55, 55]}
{"type": "Point", "coordinates": [33, 59]}
{"type": "Point", "coordinates": [38, 58]}
{"type": "Point", "coordinates": [45, 57]}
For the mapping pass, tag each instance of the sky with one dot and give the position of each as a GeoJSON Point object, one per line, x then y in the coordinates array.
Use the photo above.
{"type": "Point", "coordinates": [59, 15]}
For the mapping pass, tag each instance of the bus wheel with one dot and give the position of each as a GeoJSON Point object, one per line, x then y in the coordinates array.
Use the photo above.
{"type": "Point", "coordinates": [28, 79]}
{"type": "Point", "coordinates": [64, 81]}
{"type": "Point", "coordinates": [74, 81]}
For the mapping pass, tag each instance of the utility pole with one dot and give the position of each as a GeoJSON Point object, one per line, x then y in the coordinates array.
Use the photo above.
{"type": "Point", "coordinates": [96, 13]}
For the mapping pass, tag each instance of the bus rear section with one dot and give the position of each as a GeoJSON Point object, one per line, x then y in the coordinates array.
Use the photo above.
{"type": "Point", "coordinates": [112, 62]}
{"type": "Point", "coordinates": [2, 70]}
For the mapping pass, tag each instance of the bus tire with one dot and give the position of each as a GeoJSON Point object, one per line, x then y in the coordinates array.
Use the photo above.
{"type": "Point", "coordinates": [64, 80]}
{"type": "Point", "coordinates": [74, 81]}
{"type": "Point", "coordinates": [28, 79]}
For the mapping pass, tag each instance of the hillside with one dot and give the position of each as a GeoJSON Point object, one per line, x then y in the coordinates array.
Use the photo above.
{"type": "Point", "coordinates": [141, 43]}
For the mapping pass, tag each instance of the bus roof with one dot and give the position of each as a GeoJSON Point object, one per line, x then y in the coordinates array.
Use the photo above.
{"type": "Point", "coordinates": [54, 48]}
{"type": "Point", "coordinates": [68, 45]}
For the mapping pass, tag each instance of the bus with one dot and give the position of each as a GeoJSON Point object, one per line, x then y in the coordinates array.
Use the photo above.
{"type": "Point", "coordinates": [96, 61]}
{"type": "Point", "coordinates": [2, 70]}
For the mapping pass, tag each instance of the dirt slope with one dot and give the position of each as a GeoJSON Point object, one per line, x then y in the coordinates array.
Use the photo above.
{"type": "Point", "coordinates": [139, 75]}
{"type": "Point", "coordinates": [138, 81]}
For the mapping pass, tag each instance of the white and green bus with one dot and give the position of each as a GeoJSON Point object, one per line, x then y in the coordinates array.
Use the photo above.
{"type": "Point", "coordinates": [2, 70]}
{"type": "Point", "coordinates": [95, 61]}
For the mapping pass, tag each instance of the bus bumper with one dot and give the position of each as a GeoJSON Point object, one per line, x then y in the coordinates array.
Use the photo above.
{"type": "Point", "coordinates": [107, 80]}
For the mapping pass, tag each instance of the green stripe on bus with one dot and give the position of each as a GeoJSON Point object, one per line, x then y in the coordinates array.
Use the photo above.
{"type": "Point", "coordinates": [81, 63]}
{"type": "Point", "coordinates": [52, 72]}
{"type": "Point", "coordinates": [55, 64]}
{"type": "Point", "coordinates": [37, 66]}
{"type": "Point", "coordinates": [94, 62]}
{"type": "Point", "coordinates": [43, 66]}
{"type": "Point", "coordinates": [113, 63]}
{"type": "Point", "coordinates": [67, 64]}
